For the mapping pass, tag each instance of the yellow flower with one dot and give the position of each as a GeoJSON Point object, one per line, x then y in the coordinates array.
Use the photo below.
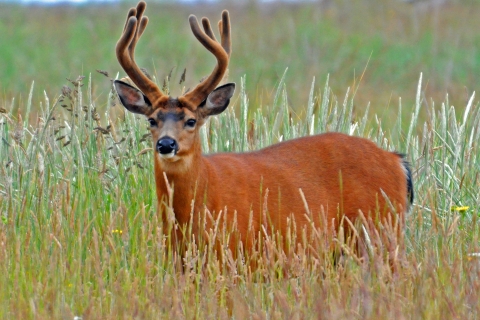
{"type": "Point", "coordinates": [459, 209]}
{"type": "Point", "coordinates": [117, 231]}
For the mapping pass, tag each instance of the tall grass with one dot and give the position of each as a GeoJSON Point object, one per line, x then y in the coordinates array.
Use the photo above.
{"type": "Point", "coordinates": [79, 233]}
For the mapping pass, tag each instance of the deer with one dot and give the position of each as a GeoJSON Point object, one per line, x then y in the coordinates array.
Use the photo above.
{"type": "Point", "coordinates": [333, 174]}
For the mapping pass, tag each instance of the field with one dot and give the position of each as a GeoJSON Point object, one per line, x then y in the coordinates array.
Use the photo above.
{"type": "Point", "coordinates": [79, 231]}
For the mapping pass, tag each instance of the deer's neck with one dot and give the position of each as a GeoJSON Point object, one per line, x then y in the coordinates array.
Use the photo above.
{"type": "Point", "coordinates": [187, 179]}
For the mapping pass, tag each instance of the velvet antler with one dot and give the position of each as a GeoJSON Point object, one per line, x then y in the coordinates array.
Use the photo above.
{"type": "Point", "coordinates": [221, 51]}
{"type": "Point", "coordinates": [125, 50]}
{"type": "Point", "coordinates": [134, 27]}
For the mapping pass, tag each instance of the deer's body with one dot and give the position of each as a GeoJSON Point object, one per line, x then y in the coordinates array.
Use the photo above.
{"type": "Point", "coordinates": [338, 175]}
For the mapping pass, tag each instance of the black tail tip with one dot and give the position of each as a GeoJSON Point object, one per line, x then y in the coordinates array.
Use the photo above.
{"type": "Point", "coordinates": [408, 173]}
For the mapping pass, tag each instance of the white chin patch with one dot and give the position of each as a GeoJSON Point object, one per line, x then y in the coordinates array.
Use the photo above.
{"type": "Point", "coordinates": [168, 155]}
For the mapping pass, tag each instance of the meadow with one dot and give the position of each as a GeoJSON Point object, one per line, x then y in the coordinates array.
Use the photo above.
{"type": "Point", "coordinates": [79, 231]}
{"type": "Point", "coordinates": [377, 46]}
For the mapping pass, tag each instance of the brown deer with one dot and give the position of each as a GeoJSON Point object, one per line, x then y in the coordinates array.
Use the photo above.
{"type": "Point", "coordinates": [336, 175]}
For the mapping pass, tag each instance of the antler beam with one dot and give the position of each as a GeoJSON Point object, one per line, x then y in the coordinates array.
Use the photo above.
{"type": "Point", "coordinates": [125, 50]}
{"type": "Point", "coordinates": [221, 51]}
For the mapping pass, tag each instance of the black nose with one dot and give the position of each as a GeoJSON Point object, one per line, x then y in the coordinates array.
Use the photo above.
{"type": "Point", "coordinates": [166, 145]}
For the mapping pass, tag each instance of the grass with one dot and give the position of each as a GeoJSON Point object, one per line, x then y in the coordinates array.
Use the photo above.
{"type": "Point", "coordinates": [80, 235]}
{"type": "Point", "coordinates": [79, 232]}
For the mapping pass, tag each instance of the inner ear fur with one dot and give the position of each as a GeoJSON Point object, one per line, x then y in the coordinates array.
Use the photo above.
{"type": "Point", "coordinates": [132, 99]}
{"type": "Point", "coordinates": [218, 100]}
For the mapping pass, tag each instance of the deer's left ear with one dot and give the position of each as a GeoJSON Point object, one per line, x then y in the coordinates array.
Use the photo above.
{"type": "Point", "coordinates": [217, 101]}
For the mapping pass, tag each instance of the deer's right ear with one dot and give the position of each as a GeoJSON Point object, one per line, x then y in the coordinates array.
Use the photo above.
{"type": "Point", "coordinates": [132, 99]}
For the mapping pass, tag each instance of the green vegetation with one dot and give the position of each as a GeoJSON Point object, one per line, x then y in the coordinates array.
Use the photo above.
{"type": "Point", "coordinates": [79, 232]}
{"type": "Point", "coordinates": [388, 42]}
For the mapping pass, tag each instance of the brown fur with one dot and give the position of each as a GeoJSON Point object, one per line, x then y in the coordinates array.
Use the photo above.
{"type": "Point", "coordinates": [338, 174]}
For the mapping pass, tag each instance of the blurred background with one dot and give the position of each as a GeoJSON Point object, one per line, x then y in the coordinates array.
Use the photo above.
{"type": "Point", "coordinates": [379, 47]}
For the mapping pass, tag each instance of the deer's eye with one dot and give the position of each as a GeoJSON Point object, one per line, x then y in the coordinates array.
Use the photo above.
{"type": "Point", "coordinates": [190, 123]}
{"type": "Point", "coordinates": [152, 122]}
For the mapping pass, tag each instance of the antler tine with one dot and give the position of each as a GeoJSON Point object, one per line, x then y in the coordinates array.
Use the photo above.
{"type": "Point", "coordinates": [224, 27]}
{"type": "Point", "coordinates": [131, 13]}
{"type": "Point", "coordinates": [125, 50]}
{"type": "Point", "coordinates": [208, 28]}
{"type": "Point", "coordinates": [224, 34]}
{"type": "Point", "coordinates": [195, 97]}
{"type": "Point", "coordinates": [140, 29]}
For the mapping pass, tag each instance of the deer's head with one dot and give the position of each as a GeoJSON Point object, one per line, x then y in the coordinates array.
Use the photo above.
{"type": "Point", "coordinates": [174, 122]}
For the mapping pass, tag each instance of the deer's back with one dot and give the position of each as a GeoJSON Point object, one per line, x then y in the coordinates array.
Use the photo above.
{"type": "Point", "coordinates": [336, 172]}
